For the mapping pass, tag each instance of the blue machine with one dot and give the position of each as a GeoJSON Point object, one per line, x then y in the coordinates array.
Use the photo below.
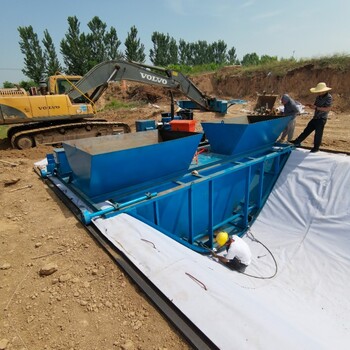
{"type": "Point", "coordinates": [220, 106]}
{"type": "Point", "coordinates": [145, 125]}
{"type": "Point", "coordinates": [168, 180]}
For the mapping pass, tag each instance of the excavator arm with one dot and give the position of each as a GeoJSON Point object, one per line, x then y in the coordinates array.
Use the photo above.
{"type": "Point", "coordinates": [95, 82]}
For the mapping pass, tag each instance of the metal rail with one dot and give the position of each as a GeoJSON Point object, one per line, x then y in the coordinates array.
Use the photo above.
{"type": "Point", "coordinates": [194, 336]}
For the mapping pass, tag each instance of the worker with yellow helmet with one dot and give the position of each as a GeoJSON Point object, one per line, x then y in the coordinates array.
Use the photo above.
{"type": "Point", "coordinates": [238, 255]}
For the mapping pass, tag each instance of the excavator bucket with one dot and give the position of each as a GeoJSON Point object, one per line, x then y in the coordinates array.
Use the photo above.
{"type": "Point", "coordinates": [265, 104]}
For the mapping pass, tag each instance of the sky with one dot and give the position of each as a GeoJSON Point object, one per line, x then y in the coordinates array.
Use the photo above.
{"type": "Point", "coordinates": [295, 28]}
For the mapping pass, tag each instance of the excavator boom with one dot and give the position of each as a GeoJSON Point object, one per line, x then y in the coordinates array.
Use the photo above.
{"type": "Point", "coordinates": [97, 78]}
{"type": "Point", "coordinates": [64, 110]}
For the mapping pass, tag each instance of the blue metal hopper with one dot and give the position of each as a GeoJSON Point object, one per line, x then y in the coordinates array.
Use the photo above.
{"type": "Point", "coordinates": [243, 135]}
{"type": "Point", "coordinates": [111, 163]}
{"type": "Point", "coordinates": [149, 175]}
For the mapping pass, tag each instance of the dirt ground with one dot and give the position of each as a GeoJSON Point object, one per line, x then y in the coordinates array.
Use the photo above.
{"type": "Point", "coordinates": [88, 302]}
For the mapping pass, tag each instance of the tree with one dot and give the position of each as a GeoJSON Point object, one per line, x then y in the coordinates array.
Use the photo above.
{"type": "Point", "coordinates": [200, 52]}
{"type": "Point", "coordinates": [232, 56]}
{"type": "Point", "coordinates": [52, 64]}
{"type": "Point", "coordinates": [173, 52]}
{"type": "Point", "coordinates": [185, 56]}
{"type": "Point", "coordinates": [218, 52]}
{"type": "Point", "coordinates": [34, 59]}
{"type": "Point", "coordinates": [75, 49]}
{"type": "Point", "coordinates": [135, 51]}
{"type": "Point", "coordinates": [266, 59]}
{"type": "Point", "coordinates": [26, 85]}
{"type": "Point", "coordinates": [103, 45]}
{"type": "Point", "coordinates": [112, 44]}
{"type": "Point", "coordinates": [250, 59]}
{"type": "Point", "coordinates": [8, 85]}
{"type": "Point", "coordinates": [80, 51]}
{"type": "Point", "coordinates": [164, 50]}
{"type": "Point", "coordinates": [95, 41]}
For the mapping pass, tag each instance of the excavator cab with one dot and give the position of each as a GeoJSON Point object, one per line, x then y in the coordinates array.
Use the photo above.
{"type": "Point", "coordinates": [61, 84]}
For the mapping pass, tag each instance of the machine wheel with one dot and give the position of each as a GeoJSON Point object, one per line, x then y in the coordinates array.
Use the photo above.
{"type": "Point", "coordinates": [24, 142]}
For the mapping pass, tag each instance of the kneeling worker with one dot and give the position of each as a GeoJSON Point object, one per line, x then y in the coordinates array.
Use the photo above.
{"type": "Point", "coordinates": [238, 255]}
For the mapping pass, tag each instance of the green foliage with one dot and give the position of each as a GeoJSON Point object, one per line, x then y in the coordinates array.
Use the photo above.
{"type": "Point", "coordinates": [95, 40]}
{"type": "Point", "coordinates": [232, 56]}
{"type": "Point", "coordinates": [34, 58]}
{"type": "Point", "coordinates": [217, 52]}
{"type": "Point", "coordinates": [52, 64]}
{"type": "Point", "coordinates": [112, 44]}
{"type": "Point", "coordinates": [185, 55]}
{"type": "Point", "coordinates": [336, 61]}
{"type": "Point", "coordinates": [82, 51]}
{"type": "Point", "coordinates": [165, 50]}
{"type": "Point", "coordinates": [102, 45]}
{"type": "Point", "coordinates": [201, 52]}
{"type": "Point", "coordinates": [250, 59]}
{"type": "Point", "coordinates": [74, 49]}
{"type": "Point", "coordinates": [135, 51]}
{"type": "Point", "coordinates": [266, 59]}
{"type": "Point", "coordinates": [193, 70]}
{"type": "Point", "coordinates": [26, 85]}
{"type": "Point", "coordinates": [284, 65]}
{"type": "Point", "coordinates": [8, 85]}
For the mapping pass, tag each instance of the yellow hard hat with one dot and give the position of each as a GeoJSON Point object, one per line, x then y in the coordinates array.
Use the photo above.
{"type": "Point", "coordinates": [221, 238]}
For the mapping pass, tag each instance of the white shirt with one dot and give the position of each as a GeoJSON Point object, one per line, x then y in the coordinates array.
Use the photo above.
{"type": "Point", "coordinates": [240, 250]}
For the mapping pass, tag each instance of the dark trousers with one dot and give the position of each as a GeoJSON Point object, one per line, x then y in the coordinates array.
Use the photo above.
{"type": "Point", "coordinates": [316, 125]}
{"type": "Point", "coordinates": [235, 264]}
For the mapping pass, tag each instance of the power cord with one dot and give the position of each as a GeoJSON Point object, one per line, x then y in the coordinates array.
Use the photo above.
{"type": "Point", "coordinates": [252, 237]}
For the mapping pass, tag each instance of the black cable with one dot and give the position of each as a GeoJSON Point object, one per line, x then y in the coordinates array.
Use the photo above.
{"type": "Point", "coordinates": [254, 240]}
{"type": "Point", "coordinates": [274, 260]}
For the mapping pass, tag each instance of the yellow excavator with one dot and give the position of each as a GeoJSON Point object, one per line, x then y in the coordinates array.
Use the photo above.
{"type": "Point", "coordinates": [63, 108]}
{"type": "Point", "coordinates": [47, 115]}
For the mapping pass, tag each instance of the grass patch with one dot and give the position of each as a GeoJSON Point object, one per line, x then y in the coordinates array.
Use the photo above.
{"type": "Point", "coordinates": [281, 67]}
{"type": "Point", "coordinates": [194, 70]}
{"type": "Point", "coordinates": [116, 104]}
{"type": "Point", "coordinates": [277, 68]}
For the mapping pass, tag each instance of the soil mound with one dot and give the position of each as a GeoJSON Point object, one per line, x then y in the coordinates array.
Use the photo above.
{"type": "Point", "coordinates": [230, 83]}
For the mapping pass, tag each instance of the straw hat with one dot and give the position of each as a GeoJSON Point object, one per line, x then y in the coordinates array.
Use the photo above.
{"type": "Point", "coordinates": [321, 87]}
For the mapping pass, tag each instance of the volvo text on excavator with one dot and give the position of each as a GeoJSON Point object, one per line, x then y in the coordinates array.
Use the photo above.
{"type": "Point", "coordinates": [64, 110]}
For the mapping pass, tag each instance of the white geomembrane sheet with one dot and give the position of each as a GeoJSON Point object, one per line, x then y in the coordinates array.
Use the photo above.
{"type": "Point", "coordinates": [305, 224]}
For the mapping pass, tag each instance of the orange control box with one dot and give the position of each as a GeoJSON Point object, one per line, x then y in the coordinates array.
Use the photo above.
{"type": "Point", "coordinates": [183, 125]}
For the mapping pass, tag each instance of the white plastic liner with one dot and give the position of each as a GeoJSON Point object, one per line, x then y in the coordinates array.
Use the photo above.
{"type": "Point", "coordinates": [305, 224]}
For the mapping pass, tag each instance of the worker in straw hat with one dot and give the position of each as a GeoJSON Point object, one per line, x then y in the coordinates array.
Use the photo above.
{"type": "Point", "coordinates": [321, 106]}
{"type": "Point", "coordinates": [238, 255]}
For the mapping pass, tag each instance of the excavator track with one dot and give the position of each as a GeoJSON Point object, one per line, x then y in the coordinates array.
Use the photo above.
{"type": "Point", "coordinates": [28, 137]}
